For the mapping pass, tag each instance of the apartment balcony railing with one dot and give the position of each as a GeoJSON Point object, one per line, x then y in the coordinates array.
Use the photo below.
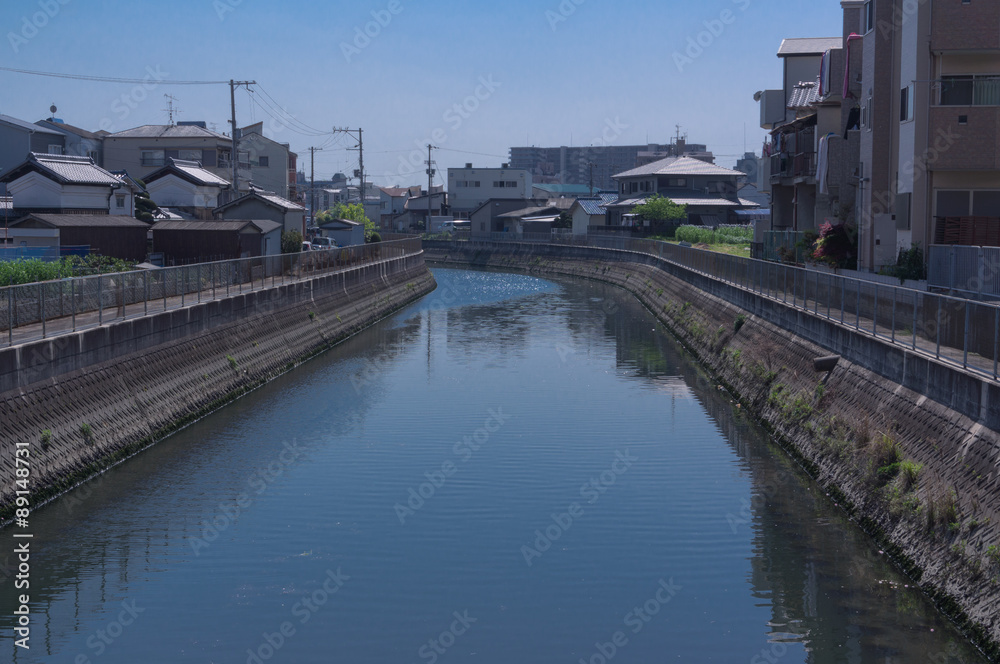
{"type": "Point", "coordinates": [805, 165]}
{"type": "Point", "coordinates": [780, 167]}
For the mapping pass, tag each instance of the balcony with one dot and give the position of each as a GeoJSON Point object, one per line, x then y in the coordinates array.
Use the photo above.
{"type": "Point", "coordinates": [780, 167]}
{"type": "Point", "coordinates": [968, 231]}
{"type": "Point", "coordinates": [804, 165]}
{"type": "Point", "coordinates": [969, 90]}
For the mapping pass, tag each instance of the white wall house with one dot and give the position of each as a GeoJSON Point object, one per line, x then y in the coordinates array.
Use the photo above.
{"type": "Point", "coordinates": [187, 186]}
{"type": "Point", "coordinates": [469, 187]}
{"type": "Point", "coordinates": [66, 184]}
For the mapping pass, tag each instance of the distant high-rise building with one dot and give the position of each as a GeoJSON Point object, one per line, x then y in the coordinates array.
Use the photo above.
{"type": "Point", "coordinates": [572, 165]}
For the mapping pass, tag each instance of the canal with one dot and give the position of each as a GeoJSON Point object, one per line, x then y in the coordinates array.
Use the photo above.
{"type": "Point", "coordinates": [511, 470]}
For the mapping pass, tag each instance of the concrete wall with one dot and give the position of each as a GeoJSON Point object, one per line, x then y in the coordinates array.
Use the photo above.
{"type": "Point", "coordinates": [136, 381]}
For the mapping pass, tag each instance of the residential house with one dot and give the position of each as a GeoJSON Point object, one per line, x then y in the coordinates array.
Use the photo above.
{"type": "Point", "coordinates": [187, 186]}
{"type": "Point", "coordinates": [146, 149]}
{"type": "Point", "coordinates": [260, 204]}
{"type": "Point", "coordinates": [392, 203]}
{"type": "Point", "coordinates": [531, 220]}
{"type": "Point", "coordinates": [596, 163]}
{"type": "Point", "coordinates": [591, 212]}
{"type": "Point", "coordinates": [118, 236]}
{"type": "Point", "coordinates": [344, 232]}
{"type": "Point", "coordinates": [183, 242]}
{"type": "Point", "coordinates": [65, 184]}
{"type": "Point", "coordinates": [18, 138]}
{"type": "Point", "coordinates": [469, 187]}
{"type": "Point", "coordinates": [488, 218]}
{"type": "Point", "coordinates": [710, 192]}
{"type": "Point", "coordinates": [930, 107]}
{"type": "Point", "coordinates": [273, 163]}
{"type": "Point", "coordinates": [79, 142]}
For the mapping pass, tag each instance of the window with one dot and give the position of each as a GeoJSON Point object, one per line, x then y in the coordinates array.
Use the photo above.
{"type": "Point", "coordinates": [970, 90]}
{"type": "Point", "coordinates": [504, 184]}
{"type": "Point", "coordinates": [93, 156]}
{"type": "Point", "coordinates": [120, 201]}
{"type": "Point", "coordinates": [869, 15]}
{"type": "Point", "coordinates": [906, 104]}
{"type": "Point", "coordinates": [264, 162]}
{"type": "Point", "coordinates": [189, 155]}
{"type": "Point", "coordinates": [152, 157]}
{"type": "Point", "coordinates": [55, 149]}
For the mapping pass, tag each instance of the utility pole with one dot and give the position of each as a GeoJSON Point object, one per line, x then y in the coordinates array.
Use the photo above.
{"type": "Point", "coordinates": [312, 184]}
{"type": "Point", "coordinates": [236, 146]}
{"type": "Point", "coordinates": [430, 185]}
{"type": "Point", "coordinates": [361, 164]}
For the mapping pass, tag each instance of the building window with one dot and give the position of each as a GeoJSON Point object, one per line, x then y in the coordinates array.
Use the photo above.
{"type": "Point", "coordinates": [120, 201]}
{"type": "Point", "coordinates": [189, 155]}
{"type": "Point", "coordinates": [970, 90]}
{"type": "Point", "coordinates": [869, 15]}
{"type": "Point", "coordinates": [55, 149]}
{"type": "Point", "coordinates": [93, 156]}
{"type": "Point", "coordinates": [152, 157]}
{"type": "Point", "coordinates": [906, 104]}
{"type": "Point", "coordinates": [264, 162]}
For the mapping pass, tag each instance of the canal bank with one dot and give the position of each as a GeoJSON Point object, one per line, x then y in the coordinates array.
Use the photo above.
{"type": "Point", "coordinates": [917, 472]}
{"type": "Point", "coordinates": [87, 400]}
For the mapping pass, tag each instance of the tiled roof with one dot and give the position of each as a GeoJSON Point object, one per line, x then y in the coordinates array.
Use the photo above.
{"type": "Point", "coordinates": [526, 212]}
{"type": "Point", "coordinates": [591, 206]}
{"type": "Point", "coordinates": [689, 199]}
{"type": "Point", "coordinates": [230, 225]}
{"type": "Point", "coordinates": [168, 131]}
{"type": "Point", "coordinates": [27, 125]}
{"type": "Point", "coordinates": [804, 95]}
{"type": "Point", "coordinates": [809, 45]}
{"type": "Point", "coordinates": [607, 199]}
{"type": "Point", "coordinates": [65, 169]}
{"type": "Point", "coordinates": [339, 224]}
{"type": "Point", "coordinates": [267, 196]}
{"type": "Point", "coordinates": [678, 166]}
{"type": "Point", "coordinates": [189, 170]}
{"type": "Point", "coordinates": [83, 133]}
{"type": "Point", "coordinates": [85, 220]}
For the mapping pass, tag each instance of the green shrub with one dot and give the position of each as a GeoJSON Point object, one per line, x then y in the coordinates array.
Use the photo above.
{"type": "Point", "coordinates": [87, 432]}
{"type": "Point", "coordinates": [46, 437]}
{"type": "Point", "coordinates": [721, 235]}
{"type": "Point", "coordinates": [739, 322]}
{"type": "Point", "coordinates": [232, 362]}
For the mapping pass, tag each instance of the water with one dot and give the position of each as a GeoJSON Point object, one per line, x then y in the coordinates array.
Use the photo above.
{"type": "Point", "coordinates": [383, 503]}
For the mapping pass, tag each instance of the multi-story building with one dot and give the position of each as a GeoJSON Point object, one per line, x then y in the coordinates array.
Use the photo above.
{"type": "Point", "coordinates": [79, 142]}
{"type": "Point", "coordinates": [273, 163]}
{"type": "Point", "coordinates": [143, 150]}
{"type": "Point", "coordinates": [469, 187]}
{"type": "Point", "coordinates": [19, 138]}
{"type": "Point", "coordinates": [930, 152]}
{"type": "Point", "coordinates": [576, 165]}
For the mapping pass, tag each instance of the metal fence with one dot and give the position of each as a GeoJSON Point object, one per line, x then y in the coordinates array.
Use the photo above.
{"type": "Point", "coordinates": [974, 271]}
{"type": "Point", "coordinates": [955, 330]}
{"type": "Point", "coordinates": [40, 310]}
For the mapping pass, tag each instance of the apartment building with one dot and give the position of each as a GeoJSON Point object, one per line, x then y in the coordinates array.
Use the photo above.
{"type": "Point", "coordinates": [469, 188]}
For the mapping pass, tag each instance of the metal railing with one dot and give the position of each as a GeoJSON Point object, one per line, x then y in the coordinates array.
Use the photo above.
{"type": "Point", "coordinates": [44, 309]}
{"type": "Point", "coordinates": [974, 271]}
{"type": "Point", "coordinates": [957, 331]}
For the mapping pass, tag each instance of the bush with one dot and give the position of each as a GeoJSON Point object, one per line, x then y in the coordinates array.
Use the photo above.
{"type": "Point", "coordinates": [291, 242]}
{"type": "Point", "coordinates": [374, 237]}
{"type": "Point", "coordinates": [720, 235]}
{"type": "Point", "coordinates": [909, 265]}
{"type": "Point", "coordinates": [836, 246]}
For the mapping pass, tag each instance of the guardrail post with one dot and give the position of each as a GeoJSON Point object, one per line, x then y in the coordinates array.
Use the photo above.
{"type": "Point", "coordinates": [72, 300]}
{"type": "Point", "coordinates": [965, 344]}
{"type": "Point", "coordinates": [982, 271]}
{"type": "Point", "coordinates": [41, 306]}
{"type": "Point", "coordinates": [100, 299]}
{"type": "Point", "coordinates": [10, 315]}
{"type": "Point", "coordinates": [894, 315]}
{"type": "Point", "coordinates": [198, 281]}
{"type": "Point", "coordinates": [121, 295]}
{"type": "Point", "coordinates": [184, 286]}
{"type": "Point", "coordinates": [214, 270]}
{"type": "Point", "coordinates": [857, 308]}
{"type": "Point", "coordinates": [145, 292]}
{"type": "Point", "coordinates": [996, 340]}
{"type": "Point", "coordinates": [937, 353]}
{"type": "Point", "coordinates": [875, 312]}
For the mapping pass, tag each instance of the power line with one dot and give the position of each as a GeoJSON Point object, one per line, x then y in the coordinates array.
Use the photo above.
{"type": "Point", "coordinates": [108, 79]}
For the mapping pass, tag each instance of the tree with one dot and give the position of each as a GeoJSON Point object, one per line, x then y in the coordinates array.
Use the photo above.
{"type": "Point", "coordinates": [565, 220]}
{"type": "Point", "coordinates": [658, 208]}
{"type": "Point", "coordinates": [354, 212]}
{"type": "Point", "coordinates": [291, 242]}
{"type": "Point", "coordinates": [144, 207]}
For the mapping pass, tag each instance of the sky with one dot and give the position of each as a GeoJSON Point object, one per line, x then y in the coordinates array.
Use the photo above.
{"type": "Point", "coordinates": [474, 79]}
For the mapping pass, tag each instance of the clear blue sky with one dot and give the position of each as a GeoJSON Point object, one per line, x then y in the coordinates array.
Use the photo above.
{"type": "Point", "coordinates": [556, 72]}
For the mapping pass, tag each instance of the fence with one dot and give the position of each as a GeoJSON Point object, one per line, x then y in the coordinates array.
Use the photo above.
{"type": "Point", "coordinates": [971, 270]}
{"type": "Point", "coordinates": [954, 330]}
{"type": "Point", "coordinates": [40, 310]}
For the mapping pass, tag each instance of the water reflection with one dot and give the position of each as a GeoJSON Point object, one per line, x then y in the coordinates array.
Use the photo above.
{"type": "Point", "coordinates": [215, 532]}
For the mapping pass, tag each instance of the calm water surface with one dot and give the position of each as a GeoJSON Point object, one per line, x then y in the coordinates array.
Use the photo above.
{"type": "Point", "coordinates": [512, 470]}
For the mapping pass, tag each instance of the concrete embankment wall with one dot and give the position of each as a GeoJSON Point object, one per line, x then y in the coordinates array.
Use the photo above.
{"type": "Point", "coordinates": [106, 393]}
{"type": "Point", "coordinates": [908, 445]}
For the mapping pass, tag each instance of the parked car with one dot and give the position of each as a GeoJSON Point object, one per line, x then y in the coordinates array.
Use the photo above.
{"type": "Point", "coordinates": [307, 246]}
{"type": "Point", "coordinates": [324, 243]}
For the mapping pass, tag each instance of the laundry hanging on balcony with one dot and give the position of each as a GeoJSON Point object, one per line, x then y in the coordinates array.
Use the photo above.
{"type": "Point", "coordinates": [823, 163]}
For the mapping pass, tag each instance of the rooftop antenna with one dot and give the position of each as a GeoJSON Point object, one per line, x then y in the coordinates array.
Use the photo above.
{"type": "Point", "coordinates": [52, 110]}
{"type": "Point", "coordinates": [170, 108]}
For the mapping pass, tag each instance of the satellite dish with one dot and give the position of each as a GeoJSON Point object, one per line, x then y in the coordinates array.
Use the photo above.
{"type": "Point", "coordinates": [53, 109]}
